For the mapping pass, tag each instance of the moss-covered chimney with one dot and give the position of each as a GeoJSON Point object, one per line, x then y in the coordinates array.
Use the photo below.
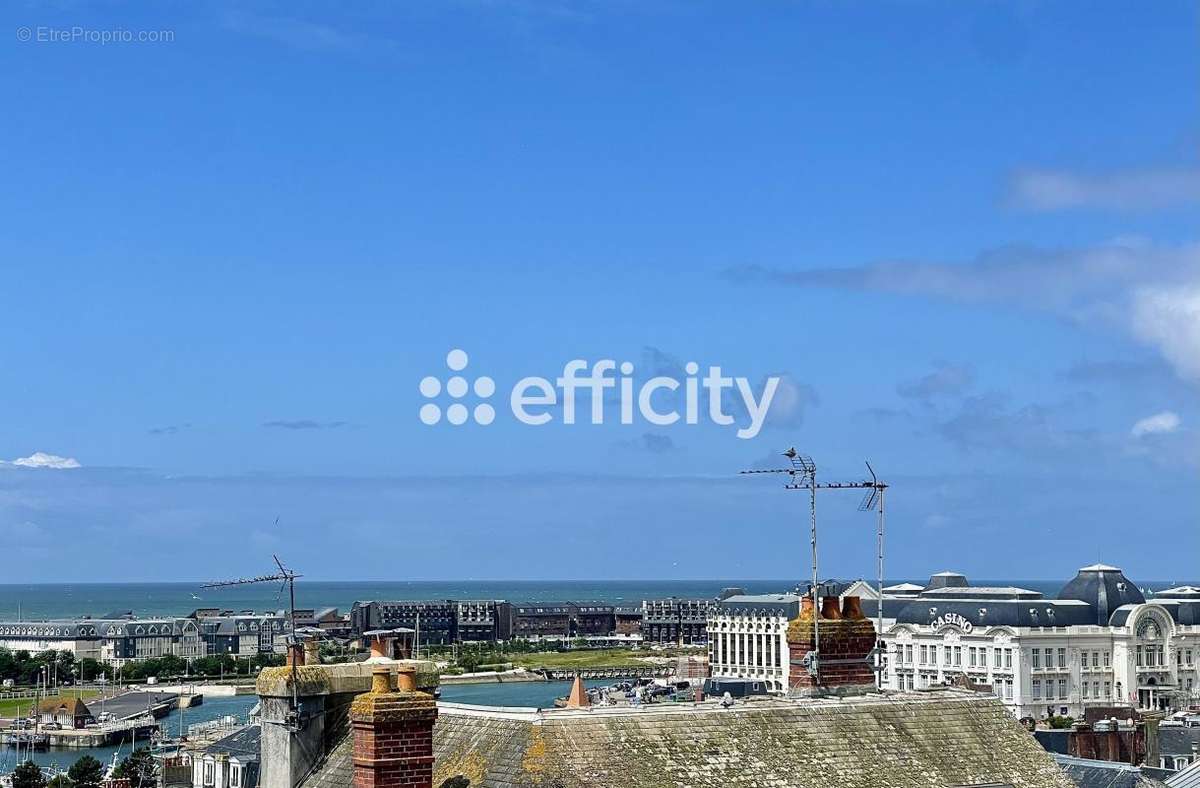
{"type": "Point", "coordinates": [844, 638]}
{"type": "Point", "coordinates": [393, 732]}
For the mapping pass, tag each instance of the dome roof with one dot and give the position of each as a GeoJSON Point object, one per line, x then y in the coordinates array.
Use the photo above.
{"type": "Point", "coordinates": [947, 580]}
{"type": "Point", "coordinates": [1103, 587]}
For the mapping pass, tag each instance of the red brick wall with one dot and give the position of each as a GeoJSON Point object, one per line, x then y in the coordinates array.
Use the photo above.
{"type": "Point", "coordinates": [393, 748]}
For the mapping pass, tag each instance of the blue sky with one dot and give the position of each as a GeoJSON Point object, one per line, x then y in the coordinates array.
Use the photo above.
{"type": "Point", "coordinates": [963, 235]}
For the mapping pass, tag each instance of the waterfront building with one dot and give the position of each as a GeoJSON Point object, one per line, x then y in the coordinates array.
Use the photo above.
{"type": "Point", "coordinates": [543, 619]}
{"type": "Point", "coordinates": [562, 620]}
{"type": "Point", "coordinates": [65, 711]}
{"type": "Point", "coordinates": [80, 638]}
{"type": "Point", "coordinates": [433, 620]}
{"type": "Point", "coordinates": [241, 635]}
{"type": "Point", "coordinates": [1099, 643]}
{"type": "Point", "coordinates": [676, 620]}
{"type": "Point", "coordinates": [127, 640]}
{"type": "Point", "coordinates": [627, 620]}
{"type": "Point", "coordinates": [477, 620]}
{"type": "Point", "coordinates": [747, 638]}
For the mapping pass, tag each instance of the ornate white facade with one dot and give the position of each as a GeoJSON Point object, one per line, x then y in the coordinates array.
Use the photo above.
{"type": "Point", "coordinates": [1059, 656]}
{"type": "Point", "coordinates": [747, 638]}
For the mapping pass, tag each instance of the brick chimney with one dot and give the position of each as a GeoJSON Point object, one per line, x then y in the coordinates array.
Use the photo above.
{"type": "Point", "coordinates": [846, 639]}
{"type": "Point", "coordinates": [393, 732]}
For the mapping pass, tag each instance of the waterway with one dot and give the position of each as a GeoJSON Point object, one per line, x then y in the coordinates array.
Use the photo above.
{"type": "Point", "coordinates": [211, 709]}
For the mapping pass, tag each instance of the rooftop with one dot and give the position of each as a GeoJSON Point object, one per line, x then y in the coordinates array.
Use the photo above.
{"type": "Point", "coordinates": [907, 740]}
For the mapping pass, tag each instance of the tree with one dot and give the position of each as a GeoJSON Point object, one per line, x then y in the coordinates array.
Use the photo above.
{"type": "Point", "coordinates": [87, 772]}
{"type": "Point", "coordinates": [59, 781]}
{"type": "Point", "coordinates": [139, 768]}
{"type": "Point", "coordinates": [28, 775]}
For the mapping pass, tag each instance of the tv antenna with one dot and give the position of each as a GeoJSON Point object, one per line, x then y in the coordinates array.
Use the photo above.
{"type": "Point", "coordinates": [872, 502]}
{"type": "Point", "coordinates": [288, 578]}
{"type": "Point", "coordinates": [802, 475]}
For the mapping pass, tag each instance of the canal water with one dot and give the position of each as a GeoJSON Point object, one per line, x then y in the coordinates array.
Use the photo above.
{"type": "Point", "coordinates": [539, 694]}
{"type": "Point", "coordinates": [211, 709]}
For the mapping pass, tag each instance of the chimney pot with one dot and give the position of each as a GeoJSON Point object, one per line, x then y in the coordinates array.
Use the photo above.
{"type": "Point", "coordinates": [406, 678]}
{"type": "Point", "coordinates": [852, 608]}
{"type": "Point", "coordinates": [829, 608]}
{"type": "Point", "coordinates": [381, 680]}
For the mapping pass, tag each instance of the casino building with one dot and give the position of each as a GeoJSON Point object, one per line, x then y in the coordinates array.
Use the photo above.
{"type": "Point", "coordinates": [1098, 643]}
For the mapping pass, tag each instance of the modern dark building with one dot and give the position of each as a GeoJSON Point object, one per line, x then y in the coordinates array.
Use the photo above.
{"type": "Point", "coordinates": [434, 620]}
{"type": "Point", "coordinates": [676, 620]}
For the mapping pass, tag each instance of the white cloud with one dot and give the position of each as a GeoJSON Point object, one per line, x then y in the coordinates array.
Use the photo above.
{"type": "Point", "coordinates": [1151, 292]}
{"type": "Point", "coordinates": [1158, 424]}
{"type": "Point", "coordinates": [1170, 319]}
{"type": "Point", "coordinates": [40, 459]}
{"type": "Point", "coordinates": [1131, 190]}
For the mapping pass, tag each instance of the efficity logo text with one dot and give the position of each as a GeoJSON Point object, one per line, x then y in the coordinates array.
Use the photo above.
{"type": "Point", "coordinates": [613, 394]}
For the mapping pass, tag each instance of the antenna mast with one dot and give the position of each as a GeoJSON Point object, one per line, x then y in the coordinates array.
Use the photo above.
{"type": "Point", "coordinates": [872, 501]}
{"type": "Point", "coordinates": [803, 476]}
{"type": "Point", "coordinates": [288, 578]}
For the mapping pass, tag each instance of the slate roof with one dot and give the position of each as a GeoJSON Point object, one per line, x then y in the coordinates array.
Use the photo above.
{"type": "Point", "coordinates": [998, 612]}
{"type": "Point", "coordinates": [927, 739]}
{"type": "Point", "coordinates": [785, 604]}
{"type": "Point", "coordinates": [245, 744]}
{"type": "Point", "coordinates": [1105, 588]}
{"type": "Point", "coordinates": [1177, 740]}
{"type": "Point", "coordinates": [1185, 778]}
{"type": "Point", "coordinates": [1086, 773]}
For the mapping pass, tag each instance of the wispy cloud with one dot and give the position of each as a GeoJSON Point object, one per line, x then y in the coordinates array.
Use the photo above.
{"type": "Point", "coordinates": [170, 429]}
{"type": "Point", "coordinates": [40, 459]}
{"type": "Point", "coordinates": [651, 442]}
{"type": "Point", "coordinates": [293, 32]}
{"type": "Point", "coordinates": [1129, 190]}
{"type": "Point", "coordinates": [945, 380]}
{"type": "Point", "coordinates": [304, 424]}
{"type": "Point", "coordinates": [1151, 292]}
{"type": "Point", "coordinates": [1159, 424]}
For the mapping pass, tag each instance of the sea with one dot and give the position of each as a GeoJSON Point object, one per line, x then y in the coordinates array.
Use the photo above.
{"type": "Point", "coordinates": [41, 601]}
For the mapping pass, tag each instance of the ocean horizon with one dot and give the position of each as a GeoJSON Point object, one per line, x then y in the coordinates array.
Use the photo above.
{"type": "Point", "coordinates": [38, 601]}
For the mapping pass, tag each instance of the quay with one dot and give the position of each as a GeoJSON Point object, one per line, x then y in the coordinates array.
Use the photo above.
{"type": "Point", "coordinates": [131, 715]}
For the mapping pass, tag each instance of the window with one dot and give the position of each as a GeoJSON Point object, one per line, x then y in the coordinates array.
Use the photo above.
{"type": "Point", "coordinates": [1008, 659]}
{"type": "Point", "coordinates": [1096, 689]}
{"type": "Point", "coordinates": [1108, 689]}
{"type": "Point", "coordinates": [1085, 690]}
{"type": "Point", "coordinates": [957, 656]}
{"type": "Point", "coordinates": [208, 772]}
{"type": "Point", "coordinates": [1037, 689]}
{"type": "Point", "coordinates": [1062, 657]}
{"type": "Point", "coordinates": [995, 658]}
{"type": "Point", "coordinates": [1106, 659]}
{"type": "Point", "coordinates": [1036, 660]}
{"type": "Point", "coordinates": [908, 655]}
{"type": "Point", "coordinates": [971, 656]}
{"type": "Point", "coordinates": [1095, 659]}
{"type": "Point", "coordinates": [1062, 689]}
{"type": "Point", "coordinates": [946, 656]}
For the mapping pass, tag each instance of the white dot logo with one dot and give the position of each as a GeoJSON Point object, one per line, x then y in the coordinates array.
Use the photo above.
{"type": "Point", "coordinates": [457, 388]}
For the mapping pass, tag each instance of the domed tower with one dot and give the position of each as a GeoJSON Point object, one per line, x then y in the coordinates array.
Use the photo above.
{"type": "Point", "coordinates": [1103, 587]}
